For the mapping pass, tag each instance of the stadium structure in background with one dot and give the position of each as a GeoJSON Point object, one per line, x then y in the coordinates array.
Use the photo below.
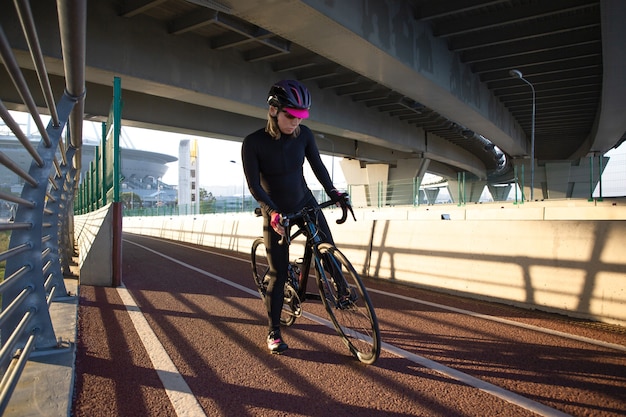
{"type": "Point", "coordinates": [141, 172]}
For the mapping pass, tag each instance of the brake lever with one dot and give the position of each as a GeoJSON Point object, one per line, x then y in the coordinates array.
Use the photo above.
{"type": "Point", "coordinates": [285, 238]}
{"type": "Point", "coordinates": [351, 211]}
{"type": "Point", "coordinates": [344, 214]}
{"type": "Point", "coordinates": [344, 208]}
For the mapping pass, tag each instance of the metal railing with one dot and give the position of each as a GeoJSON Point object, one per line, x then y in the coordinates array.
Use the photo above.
{"type": "Point", "coordinates": [598, 181]}
{"type": "Point", "coordinates": [41, 239]}
{"type": "Point", "coordinates": [100, 184]}
{"type": "Point", "coordinates": [601, 177]}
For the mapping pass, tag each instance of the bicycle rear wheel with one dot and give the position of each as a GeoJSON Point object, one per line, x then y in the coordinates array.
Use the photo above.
{"type": "Point", "coordinates": [346, 300]}
{"type": "Point", "coordinates": [260, 269]}
{"type": "Point", "coordinates": [260, 266]}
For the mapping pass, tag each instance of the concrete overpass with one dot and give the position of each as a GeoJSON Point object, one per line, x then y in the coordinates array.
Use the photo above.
{"type": "Point", "coordinates": [400, 88]}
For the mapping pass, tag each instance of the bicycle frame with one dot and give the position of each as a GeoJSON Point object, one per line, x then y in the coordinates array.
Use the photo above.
{"type": "Point", "coordinates": [309, 229]}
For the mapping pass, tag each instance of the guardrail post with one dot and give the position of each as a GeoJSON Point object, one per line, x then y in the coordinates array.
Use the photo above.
{"type": "Point", "coordinates": [33, 280]}
{"type": "Point", "coordinates": [66, 237]}
{"type": "Point", "coordinates": [58, 243]}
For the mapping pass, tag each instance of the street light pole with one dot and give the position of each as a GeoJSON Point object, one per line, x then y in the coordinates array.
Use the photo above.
{"type": "Point", "coordinates": [518, 74]}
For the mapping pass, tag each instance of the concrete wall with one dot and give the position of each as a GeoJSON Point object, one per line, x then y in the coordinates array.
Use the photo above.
{"type": "Point", "coordinates": [561, 256]}
{"type": "Point", "coordinates": [98, 251]}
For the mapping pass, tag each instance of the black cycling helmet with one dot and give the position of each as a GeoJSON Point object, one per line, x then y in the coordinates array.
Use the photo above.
{"type": "Point", "coordinates": [291, 96]}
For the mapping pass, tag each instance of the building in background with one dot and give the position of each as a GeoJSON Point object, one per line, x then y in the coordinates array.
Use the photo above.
{"type": "Point", "coordinates": [188, 175]}
{"type": "Point", "coordinates": [141, 172]}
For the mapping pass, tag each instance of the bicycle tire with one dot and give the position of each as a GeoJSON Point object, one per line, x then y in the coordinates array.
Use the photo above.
{"type": "Point", "coordinates": [354, 319]}
{"type": "Point", "coordinates": [260, 268]}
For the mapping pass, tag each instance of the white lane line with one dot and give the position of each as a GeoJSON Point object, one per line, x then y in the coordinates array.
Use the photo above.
{"type": "Point", "coordinates": [469, 380]}
{"type": "Point", "coordinates": [184, 402]}
{"type": "Point", "coordinates": [496, 391]}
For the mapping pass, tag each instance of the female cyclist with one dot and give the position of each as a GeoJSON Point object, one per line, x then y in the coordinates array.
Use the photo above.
{"type": "Point", "coordinates": [273, 160]}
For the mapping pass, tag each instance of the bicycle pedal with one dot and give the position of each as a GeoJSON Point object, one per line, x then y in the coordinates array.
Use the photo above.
{"type": "Point", "coordinates": [293, 301]}
{"type": "Point", "coordinates": [296, 310]}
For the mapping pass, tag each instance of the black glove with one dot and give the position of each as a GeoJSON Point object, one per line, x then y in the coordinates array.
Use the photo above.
{"type": "Point", "coordinates": [336, 196]}
{"type": "Point", "coordinates": [342, 200]}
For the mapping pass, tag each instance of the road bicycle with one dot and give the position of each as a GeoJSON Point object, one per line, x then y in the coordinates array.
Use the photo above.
{"type": "Point", "coordinates": [340, 287]}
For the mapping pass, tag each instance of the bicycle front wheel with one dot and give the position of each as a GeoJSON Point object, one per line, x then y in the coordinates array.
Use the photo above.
{"type": "Point", "coordinates": [346, 300]}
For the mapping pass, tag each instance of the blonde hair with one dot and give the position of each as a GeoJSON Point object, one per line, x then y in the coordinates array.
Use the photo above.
{"type": "Point", "coordinates": [272, 126]}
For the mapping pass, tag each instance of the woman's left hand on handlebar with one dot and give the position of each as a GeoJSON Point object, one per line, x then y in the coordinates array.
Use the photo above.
{"type": "Point", "coordinates": [342, 200]}
{"type": "Point", "coordinates": [338, 197]}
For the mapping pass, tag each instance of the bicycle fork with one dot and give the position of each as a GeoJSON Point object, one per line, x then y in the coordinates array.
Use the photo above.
{"type": "Point", "coordinates": [342, 295]}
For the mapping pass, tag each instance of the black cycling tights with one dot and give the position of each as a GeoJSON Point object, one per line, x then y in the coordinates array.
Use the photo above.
{"type": "Point", "coordinates": [278, 259]}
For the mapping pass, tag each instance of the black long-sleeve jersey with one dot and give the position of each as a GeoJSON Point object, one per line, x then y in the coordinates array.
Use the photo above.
{"type": "Point", "coordinates": [274, 169]}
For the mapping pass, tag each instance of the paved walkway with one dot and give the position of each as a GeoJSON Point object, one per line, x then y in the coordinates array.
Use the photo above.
{"type": "Point", "coordinates": [185, 337]}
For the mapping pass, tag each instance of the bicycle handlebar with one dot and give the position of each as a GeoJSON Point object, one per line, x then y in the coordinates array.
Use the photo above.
{"type": "Point", "coordinates": [344, 209]}
{"type": "Point", "coordinates": [344, 204]}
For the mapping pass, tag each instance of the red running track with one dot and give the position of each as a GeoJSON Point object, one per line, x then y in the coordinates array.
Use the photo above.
{"type": "Point", "coordinates": [186, 337]}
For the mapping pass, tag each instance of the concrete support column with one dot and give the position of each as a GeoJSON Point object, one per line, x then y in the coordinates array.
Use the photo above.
{"type": "Point", "coordinates": [523, 173]}
{"type": "Point", "coordinates": [356, 178]}
{"type": "Point", "coordinates": [470, 191]}
{"type": "Point", "coordinates": [453, 191]}
{"type": "Point", "coordinates": [558, 180]}
{"type": "Point", "coordinates": [378, 179]}
{"type": "Point", "coordinates": [585, 176]}
{"type": "Point", "coordinates": [474, 190]}
{"type": "Point", "coordinates": [401, 180]}
{"type": "Point", "coordinates": [368, 185]}
{"type": "Point", "coordinates": [582, 177]}
{"type": "Point", "coordinates": [431, 195]}
{"type": "Point", "coordinates": [499, 193]}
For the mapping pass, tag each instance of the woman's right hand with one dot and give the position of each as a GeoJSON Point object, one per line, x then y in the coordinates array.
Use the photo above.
{"type": "Point", "coordinates": [275, 223]}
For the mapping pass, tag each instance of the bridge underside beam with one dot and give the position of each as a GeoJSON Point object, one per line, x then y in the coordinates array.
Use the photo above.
{"type": "Point", "coordinates": [222, 91]}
